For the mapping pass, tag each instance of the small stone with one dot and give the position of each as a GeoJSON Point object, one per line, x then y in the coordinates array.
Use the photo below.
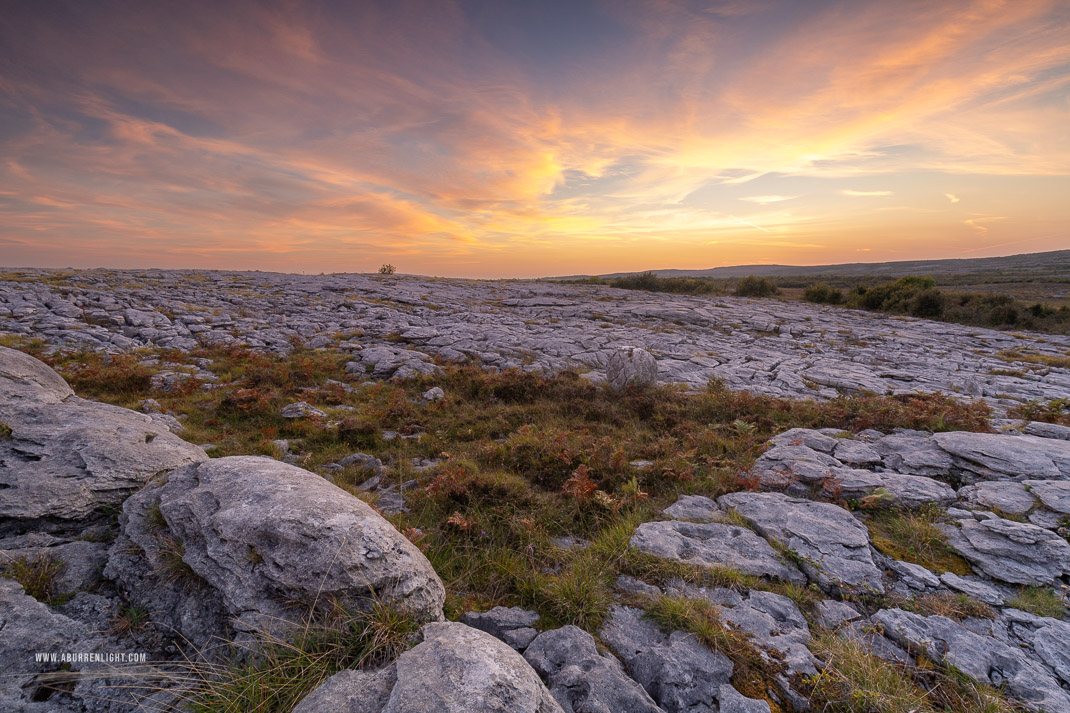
{"type": "Point", "coordinates": [302, 409]}
{"type": "Point", "coordinates": [631, 365]}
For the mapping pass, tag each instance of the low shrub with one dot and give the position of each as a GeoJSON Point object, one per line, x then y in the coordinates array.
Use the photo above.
{"type": "Point", "coordinates": [754, 286]}
{"type": "Point", "coordinates": [823, 293]}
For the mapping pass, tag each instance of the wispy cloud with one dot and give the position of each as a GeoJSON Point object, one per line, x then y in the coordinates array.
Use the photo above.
{"type": "Point", "coordinates": [978, 223]}
{"type": "Point", "coordinates": [767, 199]}
{"type": "Point", "coordinates": [866, 194]}
{"type": "Point", "coordinates": [952, 197]}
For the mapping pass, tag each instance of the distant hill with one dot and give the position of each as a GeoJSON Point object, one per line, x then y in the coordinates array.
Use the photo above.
{"type": "Point", "coordinates": [1049, 264]}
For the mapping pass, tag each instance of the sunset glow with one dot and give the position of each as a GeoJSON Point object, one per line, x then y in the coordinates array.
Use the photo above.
{"type": "Point", "coordinates": [508, 139]}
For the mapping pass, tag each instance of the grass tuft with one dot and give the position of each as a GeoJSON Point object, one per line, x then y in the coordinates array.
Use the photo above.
{"type": "Point", "coordinates": [285, 670]}
{"type": "Point", "coordinates": [1042, 601]}
{"type": "Point", "coordinates": [38, 575]}
{"type": "Point", "coordinates": [912, 536]}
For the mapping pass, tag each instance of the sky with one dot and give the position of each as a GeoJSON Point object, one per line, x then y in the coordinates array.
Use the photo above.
{"type": "Point", "coordinates": [493, 138]}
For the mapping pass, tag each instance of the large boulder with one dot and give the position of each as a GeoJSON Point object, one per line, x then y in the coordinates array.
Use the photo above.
{"type": "Point", "coordinates": [456, 669]}
{"type": "Point", "coordinates": [68, 462]}
{"type": "Point", "coordinates": [242, 538]}
{"type": "Point", "coordinates": [831, 545]}
{"type": "Point", "coordinates": [631, 365]}
{"type": "Point", "coordinates": [1010, 551]}
{"type": "Point", "coordinates": [24, 378]}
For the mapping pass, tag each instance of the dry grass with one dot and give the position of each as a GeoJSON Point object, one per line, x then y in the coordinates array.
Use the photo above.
{"type": "Point", "coordinates": [912, 536]}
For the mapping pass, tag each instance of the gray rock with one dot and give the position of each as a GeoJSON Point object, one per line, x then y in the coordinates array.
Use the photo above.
{"type": "Point", "coordinates": [365, 461]}
{"type": "Point", "coordinates": [29, 626]}
{"type": "Point", "coordinates": [69, 461]}
{"type": "Point", "coordinates": [974, 587]}
{"type": "Point", "coordinates": [513, 625]}
{"type": "Point", "coordinates": [631, 585]}
{"type": "Point", "coordinates": [807, 437]}
{"type": "Point", "coordinates": [631, 365]}
{"type": "Point", "coordinates": [583, 680]}
{"type": "Point", "coordinates": [435, 393]}
{"type": "Point", "coordinates": [1009, 551]}
{"type": "Point", "coordinates": [832, 545]}
{"type": "Point", "coordinates": [570, 542]}
{"type": "Point", "coordinates": [910, 491]}
{"type": "Point", "coordinates": [696, 508]}
{"type": "Point", "coordinates": [1008, 497]}
{"type": "Point", "coordinates": [351, 692]}
{"type": "Point", "coordinates": [456, 669]}
{"type": "Point", "coordinates": [254, 534]}
{"type": "Point", "coordinates": [863, 632]}
{"type": "Point", "coordinates": [1047, 430]}
{"type": "Point", "coordinates": [1054, 496]}
{"type": "Point", "coordinates": [23, 378]}
{"type": "Point", "coordinates": [913, 575]}
{"type": "Point", "coordinates": [793, 468]}
{"type": "Point", "coordinates": [678, 672]}
{"type": "Point", "coordinates": [732, 701]}
{"type": "Point", "coordinates": [983, 658]}
{"type": "Point", "coordinates": [1052, 645]}
{"type": "Point", "coordinates": [993, 456]}
{"type": "Point", "coordinates": [302, 409]}
{"type": "Point", "coordinates": [713, 545]}
{"type": "Point", "coordinates": [913, 454]}
{"type": "Point", "coordinates": [856, 453]}
{"type": "Point", "coordinates": [831, 613]}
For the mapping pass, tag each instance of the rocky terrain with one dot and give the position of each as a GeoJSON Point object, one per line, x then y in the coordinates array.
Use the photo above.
{"type": "Point", "coordinates": [760, 593]}
{"type": "Point", "coordinates": [394, 325]}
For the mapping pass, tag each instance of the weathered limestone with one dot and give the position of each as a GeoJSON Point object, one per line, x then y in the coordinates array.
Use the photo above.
{"type": "Point", "coordinates": [239, 538]}
{"type": "Point", "coordinates": [581, 679]}
{"type": "Point", "coordinates": [833, 546]}
{"type": "Point", "coordinates": [680, 674]}
{"type": "Point", "coordinates": [991, 456]}
{"type": "Point", "coordinates": [1010, 551]}
{"type": "Point", "coordinates": [713, 545]}
{"type": "Point", "coordinates": [393, 326]}
{"type": "Point", "coordinates": [631, 365]}
{"type": "Point", "coordinates": [456, 669]}
{"type": "Point", "coordinates": [67, 461]}
{"type": "Point", "coordinates": [980, 657]}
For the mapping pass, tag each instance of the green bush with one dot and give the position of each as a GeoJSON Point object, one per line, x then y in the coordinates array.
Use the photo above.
{"type": "Point", "coordinates": [754, 286]}
{"type": "Point", "coordinates": [823, 293]}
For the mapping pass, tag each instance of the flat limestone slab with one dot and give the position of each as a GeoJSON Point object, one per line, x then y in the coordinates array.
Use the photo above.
{"type": "Point", "coordinates": [713, 544]}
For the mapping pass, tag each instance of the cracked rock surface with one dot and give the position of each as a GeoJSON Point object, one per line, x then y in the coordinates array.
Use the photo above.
{"type": "Point", "coordinates": [791, 349]}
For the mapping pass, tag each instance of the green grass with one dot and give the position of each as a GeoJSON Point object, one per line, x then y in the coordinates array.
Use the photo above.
{"type": "Point", "coordinates": [523, 458]}
{"type": "Point", "coordinates": [5, 431]}
{"type": "Point", "coordinates": [286, 669]}
{"type": "Point", "coordinates": [38, 575]}
{"type": "Point", "coordinates": [1042, 601]}
{"type": "Point", "coordinates": [912, 536]}
{"type": "Point", "coordinates": [853, 680]}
